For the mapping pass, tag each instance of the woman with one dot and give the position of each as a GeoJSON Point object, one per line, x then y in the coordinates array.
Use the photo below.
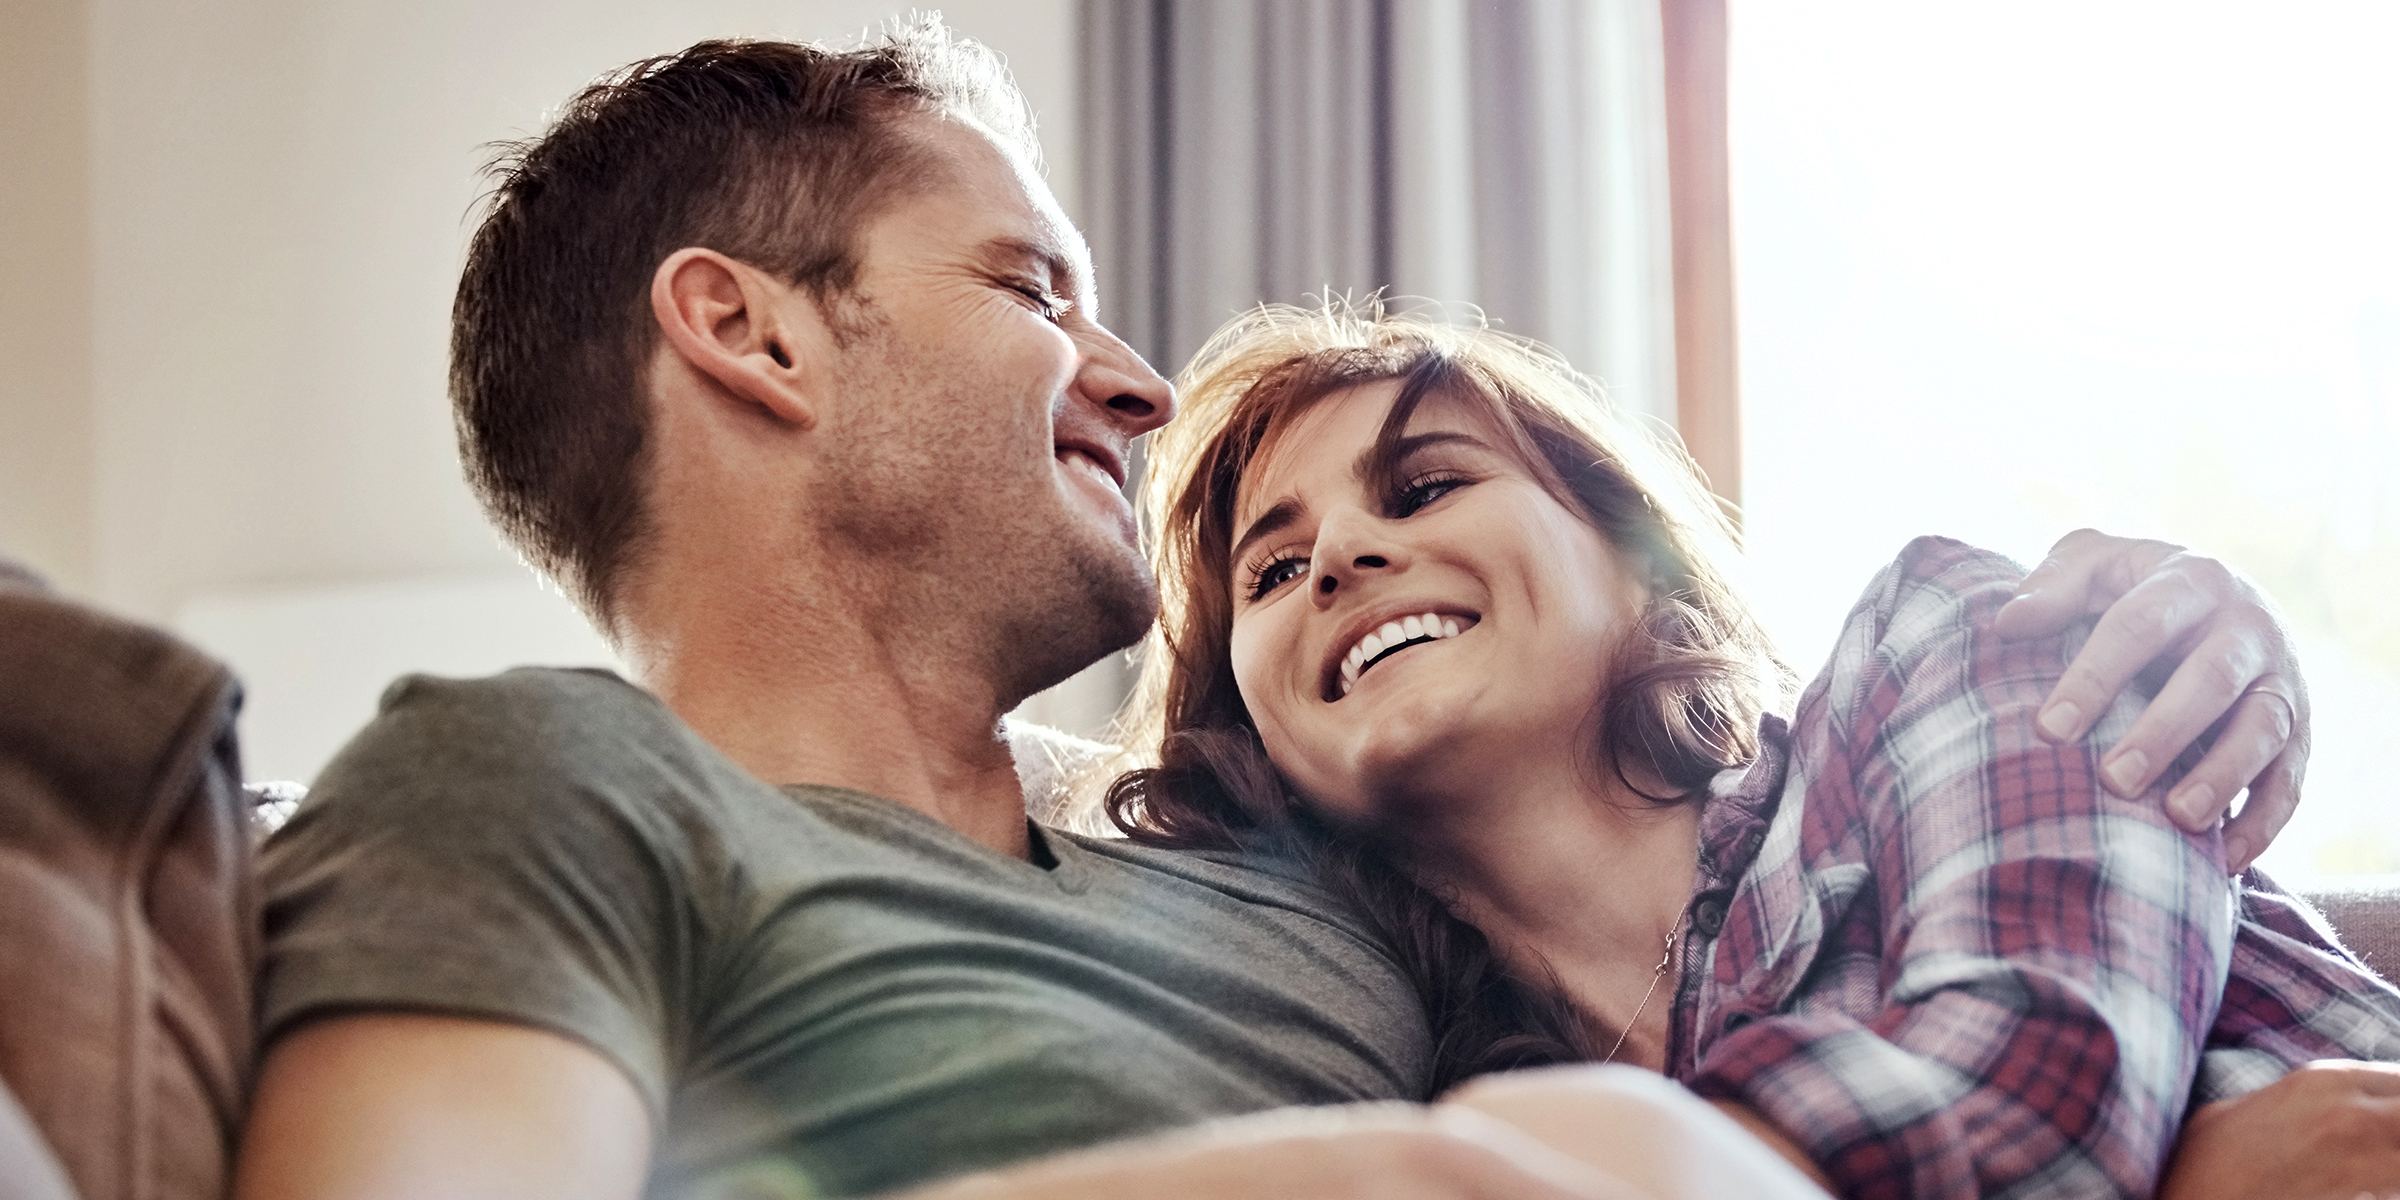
{"type": "Point", "coordinates": [1431, 613]}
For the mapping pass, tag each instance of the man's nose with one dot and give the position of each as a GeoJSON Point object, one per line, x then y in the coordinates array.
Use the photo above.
{"type": "Point", "coordinates": [1118, 382]}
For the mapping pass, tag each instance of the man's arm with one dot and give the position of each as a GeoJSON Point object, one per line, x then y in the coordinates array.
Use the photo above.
{"type": "Point", "coordinates": [1650, 1131]}
{"type": "Point", "coordinates": [379, 1106]}
{"type": "Point", "coordinates": [402, 1107]}
{"type": "Point", "coordinates": [2236, 678]}
{"type": "Point", "coordinates": [1348, 1152]}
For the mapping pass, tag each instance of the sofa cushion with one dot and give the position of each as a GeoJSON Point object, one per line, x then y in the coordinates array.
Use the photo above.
{"type": "Point", "coordinates": [2365, 912]}
{"type": "Point", "coordinates": [128, 912]}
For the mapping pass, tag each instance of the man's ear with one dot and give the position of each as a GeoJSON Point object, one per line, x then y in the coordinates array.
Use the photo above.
{"type": "Point", "coordinates": [733, 324]}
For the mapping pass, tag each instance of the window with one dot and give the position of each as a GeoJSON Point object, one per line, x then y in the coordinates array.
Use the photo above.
{"type": "Point", "coordinates": [2009, 270]}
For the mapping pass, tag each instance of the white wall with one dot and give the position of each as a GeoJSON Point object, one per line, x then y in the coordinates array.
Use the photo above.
{"type": "Point", "coordinates": [280, 193]}
{"type": "Point", "coordinates": [45, 290]}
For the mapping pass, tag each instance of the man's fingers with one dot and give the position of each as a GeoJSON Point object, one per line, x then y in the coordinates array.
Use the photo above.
{"type": "Point", "coordinates": [2085, 572]}
{"type": "Point", "coordinates": [2254, 735]}
{"type": "Point", "coordinates": [2273, 796]}
{"type": "Point", "coordinates": [2140, 626]}
{"type": "Point", "coordinates": [2047, 600]}
{"type": "Point", "coordinates": [2205, 691]}
{"type": "Point", "coordinates": [2237, 680]}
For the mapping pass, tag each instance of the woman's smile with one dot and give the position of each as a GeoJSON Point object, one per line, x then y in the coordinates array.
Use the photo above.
{"type": "Point", "coordinates": [1385, 639]}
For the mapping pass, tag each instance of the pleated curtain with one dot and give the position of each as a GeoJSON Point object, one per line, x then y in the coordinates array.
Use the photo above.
{"type": "Point", "coordinates": [1502, 156]}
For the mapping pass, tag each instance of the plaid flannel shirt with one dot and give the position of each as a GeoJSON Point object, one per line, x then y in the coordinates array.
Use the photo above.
{"type": "Point", "coordinates": [1930, 947]}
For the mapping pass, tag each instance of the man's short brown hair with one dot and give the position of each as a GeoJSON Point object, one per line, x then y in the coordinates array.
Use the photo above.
{"type": "Point", "coordinates": [773, 153]}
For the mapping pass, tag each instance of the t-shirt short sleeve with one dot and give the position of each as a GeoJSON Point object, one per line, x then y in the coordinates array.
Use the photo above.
{"type": "Point", "coordinates": [505, 849]}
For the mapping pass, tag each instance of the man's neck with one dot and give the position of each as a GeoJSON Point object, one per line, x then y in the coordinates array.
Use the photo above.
{"type": "Point", "coordinates": [805, 688]}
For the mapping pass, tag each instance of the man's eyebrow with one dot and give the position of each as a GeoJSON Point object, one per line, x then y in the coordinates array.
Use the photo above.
{"type": "Point", "coordinates": [1065, 279]}
{"type": "Point", "coordinates": [1272, 521]}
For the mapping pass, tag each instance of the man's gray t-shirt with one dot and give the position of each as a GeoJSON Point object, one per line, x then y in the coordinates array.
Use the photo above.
{"type": "Point", "coordinates": [816, 991]}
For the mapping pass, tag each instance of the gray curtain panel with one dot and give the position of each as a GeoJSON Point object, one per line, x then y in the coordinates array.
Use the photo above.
{"type": "Point", "coordinates": [1501, 155]}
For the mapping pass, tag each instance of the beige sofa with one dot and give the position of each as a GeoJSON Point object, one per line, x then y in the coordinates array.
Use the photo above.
{"type": "Point", "coordinates": [129, 923]}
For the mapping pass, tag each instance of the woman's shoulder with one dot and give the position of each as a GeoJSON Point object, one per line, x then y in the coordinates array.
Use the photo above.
{"type": "Point", "coordinates": [1933, 602]}
{"type": "Point", "coordinates": [1936, 590]}
{"type": "Point", "coordinates": [1938, 572]}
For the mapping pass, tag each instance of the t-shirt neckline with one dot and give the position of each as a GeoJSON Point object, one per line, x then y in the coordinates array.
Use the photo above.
{"type": "Point", "coordinates": [1067, 871]}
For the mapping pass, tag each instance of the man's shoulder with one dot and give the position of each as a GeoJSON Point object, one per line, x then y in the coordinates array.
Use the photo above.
{"type": "Point", "coordinates": [532, 754]}
{"type": "Point", "coordinates": [527, 701]}
{"type": "Point", "coordinates": [524, 723]}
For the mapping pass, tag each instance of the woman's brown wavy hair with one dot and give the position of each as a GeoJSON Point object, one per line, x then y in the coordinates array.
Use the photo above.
{"type": "Point", "coordinates": [1687, 685]}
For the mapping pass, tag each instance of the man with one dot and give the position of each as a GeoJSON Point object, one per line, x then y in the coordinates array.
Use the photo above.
{"type": "Point", "coordinates": [785, 364]}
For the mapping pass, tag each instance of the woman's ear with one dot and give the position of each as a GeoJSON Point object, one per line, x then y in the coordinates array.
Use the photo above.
{"type": "Point", "coordinates": [737, 326]}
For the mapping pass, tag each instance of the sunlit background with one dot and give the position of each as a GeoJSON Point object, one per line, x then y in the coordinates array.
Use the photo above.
{"type": "Point", "coordinates": [2005, 270]}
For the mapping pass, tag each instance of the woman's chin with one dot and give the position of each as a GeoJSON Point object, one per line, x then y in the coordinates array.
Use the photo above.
{"type": "Point", "coordinates": [1396, 749]}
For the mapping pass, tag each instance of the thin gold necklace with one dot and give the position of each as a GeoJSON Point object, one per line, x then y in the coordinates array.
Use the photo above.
{"type": "Point", "coordinates": [1655, 976]}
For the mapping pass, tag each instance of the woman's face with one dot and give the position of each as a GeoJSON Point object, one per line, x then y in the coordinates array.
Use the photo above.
{"type": "Point", "coordinates": [1401, 641]}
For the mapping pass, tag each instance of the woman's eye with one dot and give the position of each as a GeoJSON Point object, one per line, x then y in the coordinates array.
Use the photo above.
{"type": "Point", "coordinates": [1421, 492]}
{"type": "Point", "coordinates": [1275, 574]}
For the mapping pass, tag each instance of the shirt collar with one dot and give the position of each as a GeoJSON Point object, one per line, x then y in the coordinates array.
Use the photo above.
{"type": "Point", "coordinates": [1741, 802]}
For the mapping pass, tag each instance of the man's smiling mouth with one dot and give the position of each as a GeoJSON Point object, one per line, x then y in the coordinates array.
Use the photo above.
{"type": "Point", "coordinates": [1389, 639]}
{"type": "Point", "coordinates": [1092, 459]}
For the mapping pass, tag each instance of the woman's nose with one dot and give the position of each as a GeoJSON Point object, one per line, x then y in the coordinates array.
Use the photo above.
{"type": "Point", "coordinates": [1349, 550]}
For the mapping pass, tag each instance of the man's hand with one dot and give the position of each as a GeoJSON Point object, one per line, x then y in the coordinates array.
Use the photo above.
{"type": "Point", "coordinates": [2328, 1131]}
{"type": "Point", "coordinates": [2235, 673]}
{"type": "Point", "coordinates": [1365, 1151]}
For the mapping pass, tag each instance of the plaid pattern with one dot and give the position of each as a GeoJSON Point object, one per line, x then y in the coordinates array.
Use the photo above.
{"type": "Point", "coordinates": [1930, 946]}
{"type": "Point", "coordinates": [2295, 995]}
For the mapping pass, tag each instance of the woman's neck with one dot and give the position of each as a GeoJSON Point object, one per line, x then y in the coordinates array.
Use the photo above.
{"type": "Point", "coordinates": [1574, 882]}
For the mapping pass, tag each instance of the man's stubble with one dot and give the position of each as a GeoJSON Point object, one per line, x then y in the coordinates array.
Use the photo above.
{"type": "Point", "coordinates": [962, 519]}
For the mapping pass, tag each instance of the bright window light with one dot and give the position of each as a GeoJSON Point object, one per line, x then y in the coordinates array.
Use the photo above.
{"type": "Point", "coordinates": [2006, 270]}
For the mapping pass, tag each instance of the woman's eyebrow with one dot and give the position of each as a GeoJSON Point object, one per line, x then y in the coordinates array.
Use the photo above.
{"type": "Point", "coordinates": [1272, 521]}
{"type": "Point", "coordinates": [1377, 460]}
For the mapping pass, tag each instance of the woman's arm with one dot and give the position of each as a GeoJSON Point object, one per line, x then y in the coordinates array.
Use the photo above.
{"type": "Point", "coordinates": [1961, 966]}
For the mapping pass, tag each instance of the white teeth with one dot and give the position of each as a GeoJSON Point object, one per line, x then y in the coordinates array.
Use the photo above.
{"type": "Point", "coordinates": [1392, 634]}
